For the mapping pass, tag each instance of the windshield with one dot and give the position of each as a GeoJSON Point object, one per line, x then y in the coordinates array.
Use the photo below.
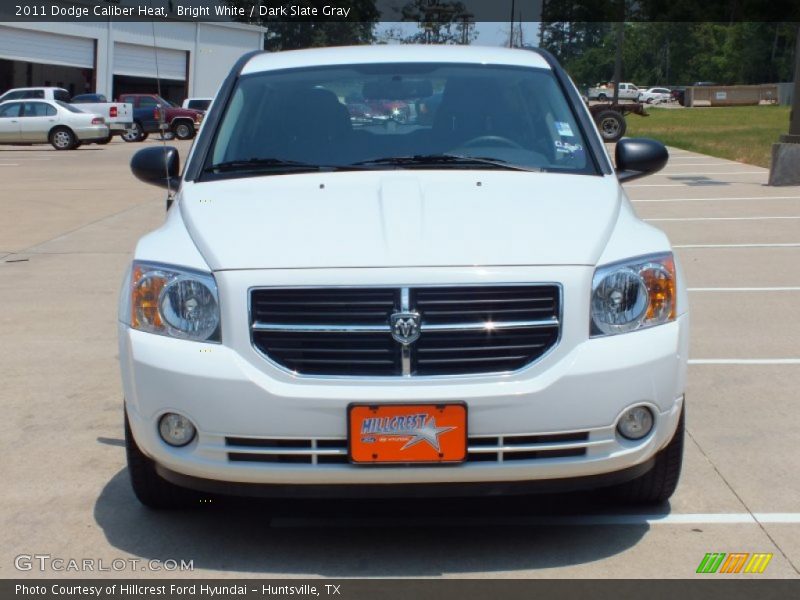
{"type": "Point", "coordinates": [398, 116]}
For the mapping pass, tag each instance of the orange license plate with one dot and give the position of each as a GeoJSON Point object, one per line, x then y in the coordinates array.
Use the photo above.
{"type": "Point", "coordinates": [407, 433]}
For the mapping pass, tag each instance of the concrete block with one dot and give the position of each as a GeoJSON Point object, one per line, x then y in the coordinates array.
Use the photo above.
{"type": "Point", "coordinates": [785, 167]}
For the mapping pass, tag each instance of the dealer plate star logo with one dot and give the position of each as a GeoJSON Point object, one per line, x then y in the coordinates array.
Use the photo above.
{"type": "Point", "coordinates": [429, 433]}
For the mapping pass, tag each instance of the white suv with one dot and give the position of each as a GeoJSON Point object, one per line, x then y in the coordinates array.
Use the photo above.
{"type": "Point", "coordinates": [459, 302]}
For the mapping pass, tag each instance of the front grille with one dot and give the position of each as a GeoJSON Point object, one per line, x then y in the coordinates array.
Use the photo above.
{"type": "Point", "coordinates": [480, 448]}
{"type": "Point", "coordinates": [462, 330]}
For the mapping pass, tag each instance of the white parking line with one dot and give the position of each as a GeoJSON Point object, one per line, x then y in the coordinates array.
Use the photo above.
{"type": "Point", "coordinates": [711, 164]}
{"type": "Point", "coordinates": [9, 164]}
{"type": "Point", "coordinates": [622, 519]}
{"type": "Point", "coordinates": [633, 185]}
{"type": "Point", "coordinates": [722, 199]}
{"type": "Point", "coordinates": [704, 173]}
{"type": "Point", "coordinates": [756, 245]}
{"type": "Point", "coordinates": [744, 289]}
{"type": "Point", "coordinates": [722, 218]}
{"type": "Point", "coordinates": [744, 361]}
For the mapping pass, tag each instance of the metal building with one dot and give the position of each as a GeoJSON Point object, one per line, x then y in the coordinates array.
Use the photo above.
{"type": "Point", "coordinates": [114, 57]}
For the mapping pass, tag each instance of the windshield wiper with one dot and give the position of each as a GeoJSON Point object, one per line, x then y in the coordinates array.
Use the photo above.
{"type": "Point", "coordinates": [455, 160]}
{"type": "Point", "coordinates": [279, 164]}
{"type": "Point", "coordinates": [257, 164]}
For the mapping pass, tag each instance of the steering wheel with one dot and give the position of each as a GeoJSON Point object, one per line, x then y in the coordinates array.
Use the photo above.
{"type": "Point", "coordinates": [491, 140]}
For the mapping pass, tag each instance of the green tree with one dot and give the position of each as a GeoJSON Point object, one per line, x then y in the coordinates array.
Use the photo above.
{"type": "Point", "coordinates": [359, 28]}
{"type": "Point", "coordinates": [439, 22]}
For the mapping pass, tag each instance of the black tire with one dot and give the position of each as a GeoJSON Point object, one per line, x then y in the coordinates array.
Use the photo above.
{"type": "Point", "coordinates": [602, 97]}
{"type": "Point", "coordinates": [183, 130]}
{"type": "Point", "coordinates": [104, 141]}
{"type": "Point", "coordinates": [135, 133]}
{"type": "Point", "coordinates": [62, 138]}
{"type": "Point", "coordinates": [659, 483]}
{"type": "Point", "coordinates": [148, 486]}
{"type": "Point", "coordinates": [611, 124]}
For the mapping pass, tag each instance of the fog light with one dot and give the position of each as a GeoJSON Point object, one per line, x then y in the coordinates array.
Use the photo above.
{"type": "Point", "coordinates": [176, 429]}
{"type": "Point", "coordinates": [635, 423]}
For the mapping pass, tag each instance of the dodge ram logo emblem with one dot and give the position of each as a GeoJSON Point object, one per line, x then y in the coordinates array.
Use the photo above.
{"type": "Point", "coordinates": [405, 327]}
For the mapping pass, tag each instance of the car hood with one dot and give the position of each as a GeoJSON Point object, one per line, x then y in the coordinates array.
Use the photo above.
{"type": "Point", "coordinates": [401, 219]}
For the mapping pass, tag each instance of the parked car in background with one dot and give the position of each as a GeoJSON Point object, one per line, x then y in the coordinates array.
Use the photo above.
{"type": "Point", "coordinates": [36, 93]}
{"type": "Point", "coordinates": [655, 95]}
{"type": "Point", "coordinates": [499, 319]}
{"type": "Point", "coordinates": [118, 115]}
{"type": "Point", "coordinates": [36, 121]}
{"type": "Point", "coordinates": [200, 104]}
{"type": "Point", "coordinates": [627, 91]}
{"type": "Point", "coordinates": [154, 114]}
{"type": "Point", "coordinates": [679, 95]}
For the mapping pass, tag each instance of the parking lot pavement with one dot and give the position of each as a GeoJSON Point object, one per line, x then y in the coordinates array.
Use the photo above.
{"type": "Point", "coordinates": [70, 220]}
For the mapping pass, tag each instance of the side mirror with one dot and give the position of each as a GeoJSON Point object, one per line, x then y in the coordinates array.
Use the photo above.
{"type": "Point", "coordinates": [637, 157]}
{"type": "Point", "coordinates": [158, 165]}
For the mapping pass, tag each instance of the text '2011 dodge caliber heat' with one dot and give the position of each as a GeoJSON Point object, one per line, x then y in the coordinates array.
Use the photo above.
{"type": "Point", "coordinates": [402, 270]}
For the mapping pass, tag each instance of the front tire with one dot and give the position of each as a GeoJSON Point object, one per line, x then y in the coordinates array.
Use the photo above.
{"type": "Point", "coordinates": [183, 130]}
{"type": "Point", "coordinates": [62, 138]}
{"type": "Point", "coordinates": [148, 486]}
{"type": "Point", "coordinates": [659, 483]}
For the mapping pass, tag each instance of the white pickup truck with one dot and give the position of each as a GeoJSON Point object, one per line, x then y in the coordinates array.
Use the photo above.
{"type": "Point", "coordinates": [118, 115]}
{"type": "Point", "coordinates": [627, 91]}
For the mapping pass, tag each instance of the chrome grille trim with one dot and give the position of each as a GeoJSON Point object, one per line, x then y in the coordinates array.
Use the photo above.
{"type": "Point", "coordinates": [330, 328]}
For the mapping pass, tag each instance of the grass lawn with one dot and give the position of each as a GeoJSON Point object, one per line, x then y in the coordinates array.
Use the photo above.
{"type": "Point", "coordinates": [743, 133]}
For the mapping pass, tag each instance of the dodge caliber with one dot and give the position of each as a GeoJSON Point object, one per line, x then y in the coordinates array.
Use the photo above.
{"type": "Point", "coordinates": [454, 299]}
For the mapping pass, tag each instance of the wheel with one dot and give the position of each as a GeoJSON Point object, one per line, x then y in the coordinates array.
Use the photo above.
{"type": "Point", "coordinates": [62, 138]}
{"type": "Point", "coordinates": [104, 141]}
{"type": "Point", "coordinates": [602, 97]}
{"type": "Point", "coordinates": [148, 486]}
{"type": "Point", "coordinates": [649, 100]}
{"type": "Point", "coordinates": [183, 130]}
{"type": "Point", "coordinates": [659, 483]}
{"type": "Point", "coordinates": [611, 124]}
{"type": "Point", "coordinates": [77, 145]}
{"type": "Point", "coordinates": [135, 133]}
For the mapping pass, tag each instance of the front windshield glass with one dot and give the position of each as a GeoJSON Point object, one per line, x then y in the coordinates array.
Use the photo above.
{"type": "Point", "coordinates": [398, 115]}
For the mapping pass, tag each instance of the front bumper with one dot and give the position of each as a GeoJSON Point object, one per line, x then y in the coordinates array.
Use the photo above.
{"type": "Point", "coordinates": [582, 389]}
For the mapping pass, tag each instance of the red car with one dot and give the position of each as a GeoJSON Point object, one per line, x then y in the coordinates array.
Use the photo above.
{"type": "Point", "coordinates": [182, 122]}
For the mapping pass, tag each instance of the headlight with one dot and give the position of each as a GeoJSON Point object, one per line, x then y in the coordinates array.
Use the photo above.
{"type": "Point", "coordinates": [633, 295]}
{"type": "Point", "coordinates": [174, 302]}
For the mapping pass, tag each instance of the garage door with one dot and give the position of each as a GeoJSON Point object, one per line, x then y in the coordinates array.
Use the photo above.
{"type": "Point", "coordinates": [140, 61]}
{"type": "Point", "coordinates": [48, 48]}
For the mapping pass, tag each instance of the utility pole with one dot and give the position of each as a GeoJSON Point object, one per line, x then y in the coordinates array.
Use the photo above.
{"type": "Point", "coordinates": [785, 166]}
{"type": "Point", "coordinates": [793, 137]}
{"type": "Point", "coordinates": [511, 22]}
{"type": "Point", "coordinates": [620, 25]}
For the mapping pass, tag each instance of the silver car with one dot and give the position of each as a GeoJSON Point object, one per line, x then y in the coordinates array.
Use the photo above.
{"type": "Point", "coordinates": [42, 121]}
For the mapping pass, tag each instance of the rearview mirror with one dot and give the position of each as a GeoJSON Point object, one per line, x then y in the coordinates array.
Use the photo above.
{"type": "Point", "coordinates": [397, 89]}
{"type": "Point", "coordinates": [159, 165]}
{"type": "Point", "coordinates": [637, 157]}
